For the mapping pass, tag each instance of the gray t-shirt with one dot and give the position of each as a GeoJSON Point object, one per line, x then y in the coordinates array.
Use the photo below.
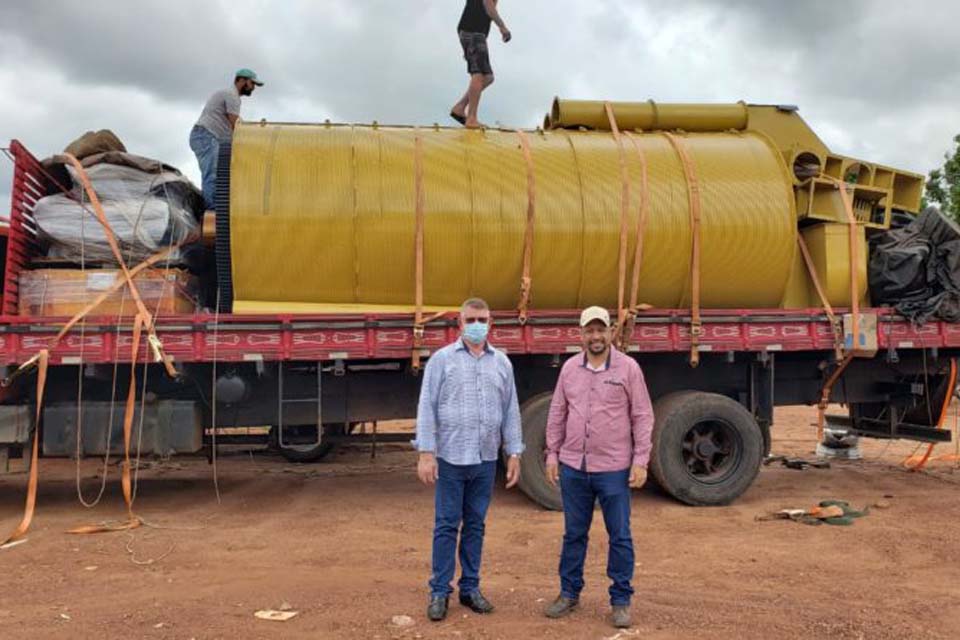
{"type": "Point", "coordinates": [214, 115]}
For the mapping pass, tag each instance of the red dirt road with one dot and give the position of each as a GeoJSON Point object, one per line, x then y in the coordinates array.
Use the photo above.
{"type": "Point", "coordinates": [346, 543]}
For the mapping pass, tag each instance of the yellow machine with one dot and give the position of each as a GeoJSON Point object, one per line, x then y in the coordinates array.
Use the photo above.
{"type": "Point", "coordinates": [332, 209]}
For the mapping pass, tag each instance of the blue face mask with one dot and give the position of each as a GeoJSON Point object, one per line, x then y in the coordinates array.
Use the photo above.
{"type": "Point", "coordinates": [476, 332]}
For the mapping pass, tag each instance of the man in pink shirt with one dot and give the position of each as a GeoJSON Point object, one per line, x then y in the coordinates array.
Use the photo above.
{"type": "Point", "coordinates": [598, 446]}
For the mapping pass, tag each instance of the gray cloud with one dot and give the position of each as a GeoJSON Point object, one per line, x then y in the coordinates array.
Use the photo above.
{"type": "Point", "coordinates": [876, 79]}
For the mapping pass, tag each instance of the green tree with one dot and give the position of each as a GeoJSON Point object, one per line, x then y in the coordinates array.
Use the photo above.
{"type": "Point", "coordinates": [943, 185]}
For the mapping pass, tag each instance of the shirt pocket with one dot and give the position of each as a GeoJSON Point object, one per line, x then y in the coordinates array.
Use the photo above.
{"type": "Point", "coordinates": [451, 385]}
{"type": "Point", "coordinates": [613, 392]}
{"type": "Point", "coordinates": [494, 389]}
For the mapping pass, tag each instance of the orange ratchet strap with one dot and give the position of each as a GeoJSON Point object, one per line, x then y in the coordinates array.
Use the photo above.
{"type": "Point", "coordinates": [825, 394]}
{"type": "Point", "coordinates": [526, 283]}
{"type": "Point", "coordinates": [641, 230]}
{"type": "Point", "coordinates": [693, 195]}
{"type": "Point", "coordinates": [828, 309]}
{"type": "Point", "coordinates": [42, 360]}
{"type": "Point", "coordinates": [132, 521]}
{"type": "Point", "coordinates": [418, 323]}
{"type": "Point", "coordinates": [115, 248]}
{"type": "Point", "coordinates": [951, 387]}
{"type": "Point", "coordinates": [624, 227]}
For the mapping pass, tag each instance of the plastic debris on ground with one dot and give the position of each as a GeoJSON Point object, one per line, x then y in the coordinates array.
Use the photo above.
{"type": "Point", "coordinates": [835, 512]}
{"type": "Point", "coordinates": [274, 615]}
{"type": "Point", "coordinates": [796, 463]}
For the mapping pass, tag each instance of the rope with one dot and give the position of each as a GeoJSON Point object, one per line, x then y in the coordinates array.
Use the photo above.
{"type": "Point", "coordinates": [132, 521]}
{"type": "Point", "coordinates": [83, 326]}
{"type": "Point", "coordinates": [213, 395]}
{"type": "Point", "coordinates": [526, 282]}
{"type": "Point", "coordinates": [693, 195]}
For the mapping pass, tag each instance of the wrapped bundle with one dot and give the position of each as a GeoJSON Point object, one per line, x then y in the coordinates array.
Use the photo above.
{"type": "Point", "coordinates": [148, 205]}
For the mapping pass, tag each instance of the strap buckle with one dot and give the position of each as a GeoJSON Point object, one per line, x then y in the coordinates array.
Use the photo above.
{"type": "Point", "coordinates": [23, 369]}
{"type": "Point", "coordinates": [696, 328]}
{"type": "Point", "coordinates": [156, 347]}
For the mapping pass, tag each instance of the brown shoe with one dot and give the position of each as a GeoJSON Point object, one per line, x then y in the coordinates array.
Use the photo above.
{"type": "Point", "coordinates": [561, 607]}
{"type": "Point", "coordinates": [620, 616]}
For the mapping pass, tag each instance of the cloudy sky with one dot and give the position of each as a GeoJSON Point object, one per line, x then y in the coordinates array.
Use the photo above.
{"type": "Point", "coordinates": [876, 79]}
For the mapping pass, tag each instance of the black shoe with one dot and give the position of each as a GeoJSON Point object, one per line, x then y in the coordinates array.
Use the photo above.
{"type": "Point", "coordinates": [561, 607]}
{"type": "Point", "coordinates": [476, 602]}
{"type": "Point", "coordinates": [437, 610]}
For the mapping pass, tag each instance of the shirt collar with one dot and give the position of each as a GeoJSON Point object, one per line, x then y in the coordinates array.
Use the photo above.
{"type": "Point", "coordinates": [606, 365]}
{"type": "Point", "coordinates": [462, 346]}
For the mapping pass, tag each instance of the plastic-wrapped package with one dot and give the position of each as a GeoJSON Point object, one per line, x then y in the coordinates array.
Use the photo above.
{"type": "Point", "coordinates": [65, 292]}
{"type": "Point", "coordinates": [148, 210]}
{"type": "Point", "coordinates": [916, 268]}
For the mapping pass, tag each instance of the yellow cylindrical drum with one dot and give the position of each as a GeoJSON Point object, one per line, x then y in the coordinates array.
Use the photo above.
{"type": "Point", "coordinates": [323, 218]}
{"type": "Point", "coordinates": [649, 115]}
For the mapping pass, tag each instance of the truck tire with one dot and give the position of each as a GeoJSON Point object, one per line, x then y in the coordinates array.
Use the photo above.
{"type": "Point", "coordinates": [305, 453]}
{"type": "Point", "coordinates": [707, 448]}
{"type": "Point", "coordinates": [533, 474]}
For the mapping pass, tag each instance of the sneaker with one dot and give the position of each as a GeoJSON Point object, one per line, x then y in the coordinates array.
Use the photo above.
{"type": "Point", "coordinates": [621, 616]}
{"type": "Point", "coordinates": [561, 607]}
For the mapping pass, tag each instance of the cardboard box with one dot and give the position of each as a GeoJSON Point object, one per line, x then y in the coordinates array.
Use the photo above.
{"type": "Point", "coordinates": [66, 292]}
{"type": "Point", "coordinates": [866, 335]}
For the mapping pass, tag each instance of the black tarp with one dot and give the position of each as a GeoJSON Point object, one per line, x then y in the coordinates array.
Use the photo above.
{"type": "Point", "coordinates": [916, 269]}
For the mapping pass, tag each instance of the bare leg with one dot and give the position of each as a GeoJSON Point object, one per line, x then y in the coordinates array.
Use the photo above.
{"type": "Point", "coordinates": [460, 108]}
{"type": "Point", "coordinates": [478, 83]}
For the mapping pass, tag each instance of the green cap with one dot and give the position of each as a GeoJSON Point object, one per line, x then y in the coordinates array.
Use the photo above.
{"type": "Point", "coordinates": [248, 73]}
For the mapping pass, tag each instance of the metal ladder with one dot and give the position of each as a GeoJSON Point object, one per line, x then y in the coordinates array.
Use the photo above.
{"type": "Point", "coordinates": [281, 402]}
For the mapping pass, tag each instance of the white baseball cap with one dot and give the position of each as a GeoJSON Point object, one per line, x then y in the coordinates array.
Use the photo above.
{"type": "Point", "coordinates": [594, 313]}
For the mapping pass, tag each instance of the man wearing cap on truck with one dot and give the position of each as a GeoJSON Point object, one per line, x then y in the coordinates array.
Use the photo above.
{"type": "Point", "coordinates": [598, 445]}
{"type": "Point", "coordinates": [216, 124]}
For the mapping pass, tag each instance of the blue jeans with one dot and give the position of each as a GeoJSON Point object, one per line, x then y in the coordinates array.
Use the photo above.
{"type": "Point", "coordinates": [580, 491]}
{"type": "Point", "coordinates": [462, 497]}
{"type": "Point", "coordinates": [206, 147]}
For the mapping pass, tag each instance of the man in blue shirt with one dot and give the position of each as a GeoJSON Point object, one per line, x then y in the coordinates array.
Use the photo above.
{"type": "Point", "coordinates": [468, 407]}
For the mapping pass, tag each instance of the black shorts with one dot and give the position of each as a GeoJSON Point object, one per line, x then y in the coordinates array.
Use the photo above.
{"type": "Point", "coordinates": [475, 52]}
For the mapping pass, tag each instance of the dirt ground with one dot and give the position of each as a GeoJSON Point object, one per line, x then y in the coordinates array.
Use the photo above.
{"type": "Point", "coordinates": [346, 544]}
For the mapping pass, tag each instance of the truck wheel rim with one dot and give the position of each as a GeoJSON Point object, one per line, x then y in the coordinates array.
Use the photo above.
{"type": "Point", "coordinates": [711, 451]}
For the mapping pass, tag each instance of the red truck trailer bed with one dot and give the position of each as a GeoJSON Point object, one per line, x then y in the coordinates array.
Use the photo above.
{"type": "Point", "coordinates": [237, 338]}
